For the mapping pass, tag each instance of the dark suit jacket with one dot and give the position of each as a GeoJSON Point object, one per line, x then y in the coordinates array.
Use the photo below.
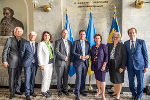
{"type": "Point", "coordinates": [11, 53]}
{"type": "Point", "coordinates": [60, 52]}
{"type": "Point", "coordinates": [27, 54]}
{"type": "Point", "coordinates": [77, 52]}
{"type": "Point", "coordinates": [139, 57]}
{"type": "Point", "coordinates": [120, 56]}
{"type": "Point", "coordinates": [102, 56]}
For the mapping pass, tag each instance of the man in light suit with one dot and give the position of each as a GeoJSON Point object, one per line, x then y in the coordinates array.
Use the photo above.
{"type": "Point", "coordinates": [81, 53]}
{"type": "Point", "coordinates": [63, 61]}
{"type": "Point", "coordinates": [11, 59]}
{"type": "Point", "coordinates": [30, 64]}
{"type": "Point", "coordinates": [137, 63]}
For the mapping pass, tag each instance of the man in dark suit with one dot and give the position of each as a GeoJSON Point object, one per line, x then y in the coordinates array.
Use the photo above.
{"type": "Point", "coordinates": [63, 61]}
{"type": "Point", "coordinates": [137, 63]}
{"type": "Point", "coordinates": [11, 59]}
{"type": "Point", "coordinates": [81, 53]}
{"type": "Point", "coordinates": [30, 64]}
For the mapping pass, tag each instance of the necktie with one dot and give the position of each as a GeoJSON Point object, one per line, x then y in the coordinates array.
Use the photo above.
{"type": "Point", "coordinates": [33, 52]}
{"type": "Point", "coordinates": [18, 43]}
{"type": "Point", "coordinates": [33, 47]}
{"type": "Point", "coordinates": [83, 48]}
{"type": "Point", "coordinates": [132, 46]}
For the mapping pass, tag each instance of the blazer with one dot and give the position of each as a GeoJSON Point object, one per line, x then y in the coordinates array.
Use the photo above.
{"type": "Point", "coordinates": [43, 53]}
{"type": "Point", "coordinates": [77, 52]}
{"type": "Point", "coordinates": [139, 56]}
{"type": "Point", "coordinates": [120, 56]}
{"type": "Point", "coordinates": [61, 53]}
{"type": "Point", "coordinates": [102, 56]}
{"type": "Point", "coordinates": [11, 52]}
{"type": "Point", "coordinates": [27, 54]}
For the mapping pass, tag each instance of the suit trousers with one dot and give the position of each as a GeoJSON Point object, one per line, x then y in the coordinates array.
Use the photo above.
{"type": "Point", "coordinates": [30, 73]}
{"type": "Point", "coordinates": [12, 80]}
{"type": "Point", "coordinates": [18, 78]}
{"type": "Point", "coordinates": [46, 77]}
{"type": "Point", "coordinates": [62, 77]}
{"type": "Point", "coordinates": [81, 72]}
{"type": "Point", "coordinates": [139, 76]}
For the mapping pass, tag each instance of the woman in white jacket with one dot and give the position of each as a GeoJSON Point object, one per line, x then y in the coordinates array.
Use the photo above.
{"type": "Point", "coordinates": [45, 59]}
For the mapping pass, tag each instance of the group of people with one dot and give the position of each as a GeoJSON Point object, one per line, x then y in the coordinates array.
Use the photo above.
{"type": "Point", "coordinates": [116, 58]}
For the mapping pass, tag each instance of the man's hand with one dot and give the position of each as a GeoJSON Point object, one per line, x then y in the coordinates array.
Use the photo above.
{"type": "Point", "coordinates": [145, 70]}
{"type": "Point", "coordinates": [66, 59]}
{"type": "Point", "coordinates": [42, 67]}
{"type": "Point", "coordinates": [5, 64]}
{"type": "Point", "coordinates": [87, 57]}
{"type": "Point", "coordinates": [82, 57]}
{"type": "Point", "coordinates": [120, 70]}
{"type": "Point", "coordinates": [71, 63]}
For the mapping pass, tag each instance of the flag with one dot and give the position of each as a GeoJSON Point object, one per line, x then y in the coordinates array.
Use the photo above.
{"type": "Point", "coordinates": [114, 28]}
{"type": "Point", "coordinates": [90, 38]}
{"type": "Point", "coordinates": [72, 70]}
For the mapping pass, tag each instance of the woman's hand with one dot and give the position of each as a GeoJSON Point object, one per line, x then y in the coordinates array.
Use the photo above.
{"type": "Point", "coordinates": [42, 67]}
{"type": "Point", "coordinates": [103, 68]}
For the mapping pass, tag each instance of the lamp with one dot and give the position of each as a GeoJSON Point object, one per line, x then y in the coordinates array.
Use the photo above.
{"type": "Point", "coordinates": [139, 3]}
{"type": "Point", "coordinates": [46, 8]}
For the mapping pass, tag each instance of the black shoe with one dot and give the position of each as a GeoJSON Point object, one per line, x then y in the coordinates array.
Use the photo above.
{"type": "Point", "coordinates": [33, 94]}
{"type": "Point", "coordinates": [28, 97]}
{"type": "Point", "coordinates": [46, 95]}
{"type": "Point", "coordinates": [19, 93]}
{"type": "Point", "coordinates": [77, 97]}
{"type": "Point", "coordinates": [138, 99]}
{"type": "Point", "coordinates": [83, 94]}
{"type": "Point", "coordinates": [133, 98]}
{"type": "Point", "coordinates": [112, 95]}
{"type": "Point", "coordinates": [49, 93]}
{"type": "Point", "coordinates": [66, 93]}
{"type": "Point", "coordinates": [59, 94]}
{"type": "Point", "coordinates": [117, 99]}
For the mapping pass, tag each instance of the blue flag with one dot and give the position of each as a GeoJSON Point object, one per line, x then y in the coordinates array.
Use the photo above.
{"type": "Point", "coordinates": [114, 28]}
{"type": "Point", "coordinates": [90, 38]}
{"type": "Point", "coordinates": [72, 70]}
{"type": "Point", "coordinates": [90, 31]}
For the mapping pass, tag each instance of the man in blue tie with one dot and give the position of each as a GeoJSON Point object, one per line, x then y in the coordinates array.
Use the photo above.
{"type": "Point", "coordinates": [137, 63]}
{"type": "Point", "coordinates": [81, 53]}
{"type": "Point", "coordinates": [30, 64]}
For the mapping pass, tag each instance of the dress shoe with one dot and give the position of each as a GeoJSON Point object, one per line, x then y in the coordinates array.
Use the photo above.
{"type": "Point", "coordinates": [46, 95]}
{"type": "Point", "coordinates": [133, 98]}
{"type": "Point", "coordinates": [49, 93]}
{"type": "Point", "coordinates": [66, 93]}
{"type": "Point", "coordinates": [77, 97]}
{"type": "Point", "coordinates": [83, 94]}
{"type": "Point", "coordinates": [59, 94]}
{"type": "Point", "coordinates": [112, 95]}
{"type": "Point", "coordinates": [28, 97]}
{"type": "Point", "coordinates": [19, 93]}
{"type": "Point", "coordinates": [33, 94]}
{"type": "Point", "coordinates": [138, 99]}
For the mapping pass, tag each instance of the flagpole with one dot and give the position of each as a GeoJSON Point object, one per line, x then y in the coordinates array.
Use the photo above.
{"type": "Point", "coordinates": [90, 83]}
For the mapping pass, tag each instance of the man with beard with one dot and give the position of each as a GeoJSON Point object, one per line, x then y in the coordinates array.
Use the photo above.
{"type": "Point", "coordinates": [8, 23]}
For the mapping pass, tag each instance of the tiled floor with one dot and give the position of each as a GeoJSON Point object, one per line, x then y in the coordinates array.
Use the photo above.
{"type": "Point", "coordinates": [4, 95]}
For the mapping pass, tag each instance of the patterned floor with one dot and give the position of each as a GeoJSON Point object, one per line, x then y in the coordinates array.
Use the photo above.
{"type": "Point", "coordinates": [4, 95]}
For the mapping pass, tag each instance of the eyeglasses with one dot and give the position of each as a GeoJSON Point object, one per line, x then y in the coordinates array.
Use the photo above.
{"type": "Point", "coordinates": [5, 13]}
{"type": "Point", "coordinates": [116, 37]}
